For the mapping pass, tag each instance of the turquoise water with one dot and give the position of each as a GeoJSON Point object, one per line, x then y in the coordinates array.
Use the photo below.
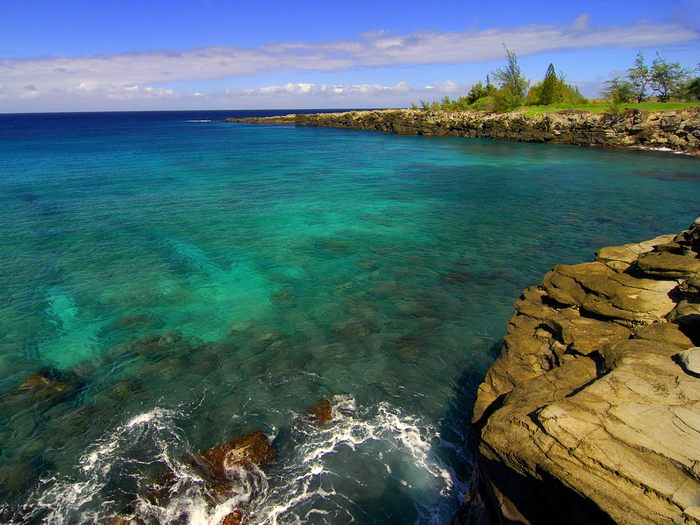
{"type": "Point", "coordinates": [193, 281]}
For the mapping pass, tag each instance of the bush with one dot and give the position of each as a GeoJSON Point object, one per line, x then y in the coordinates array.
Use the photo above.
{"type": "Point", "coordinates": [506, 99]}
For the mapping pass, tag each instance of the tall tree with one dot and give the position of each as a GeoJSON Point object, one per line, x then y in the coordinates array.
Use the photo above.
{"type": "Point", "coordinates": [511, 78]}
{"type": "Point", "coordinates": [667, 78]}
{"type": "Point", "coordinates": [550, 86]}
{"type": "Point", "coordinates": [639, 77]}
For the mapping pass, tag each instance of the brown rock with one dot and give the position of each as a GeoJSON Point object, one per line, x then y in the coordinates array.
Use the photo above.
{"type": "Point", "coordinates": [608, 428]}
{"type": "Point", "coordinates": [601, 291]}
{"type": "Point", "coordinates": [620, 258]}
{"type": "Point", "coordinates": [233, 518]}
{"type": "Point", "coordinates": [664, 333]}
{"type": "Point", "coordinates": [253, 448]}
{"type": "Point", "coordinates": [40, 386]}
{"type": "Point", "coordinates": [669, 265]}
{"type": "Point", "coordinates": [322, 412]}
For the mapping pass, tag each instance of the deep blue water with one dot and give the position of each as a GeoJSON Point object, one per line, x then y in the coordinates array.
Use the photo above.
{"type": "Point", "coordinates": [191, 280]}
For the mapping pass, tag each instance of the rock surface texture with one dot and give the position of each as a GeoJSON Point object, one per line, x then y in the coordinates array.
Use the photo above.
{"type": "Point", "coordinates": [591, 413]}
{"type": "Point", "coordinates": [676, 130]}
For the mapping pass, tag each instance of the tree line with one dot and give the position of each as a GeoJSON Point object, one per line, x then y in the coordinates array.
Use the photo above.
{"type": "Point", "coordinates": [664, 80]}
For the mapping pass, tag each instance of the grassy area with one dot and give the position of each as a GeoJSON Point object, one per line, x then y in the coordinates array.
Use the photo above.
{"type": "Point", "coordinates": [600, 107]}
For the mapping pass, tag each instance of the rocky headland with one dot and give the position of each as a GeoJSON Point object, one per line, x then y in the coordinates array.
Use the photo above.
{"type": "Point", "coordinates": [674, 130]}
{"type": "Point", "coordinates": [591, 413]}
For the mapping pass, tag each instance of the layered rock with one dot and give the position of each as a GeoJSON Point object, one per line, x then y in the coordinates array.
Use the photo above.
{"type": "Point", "coordinates": [592, 411]}
{"type": "Point", "coordinates": [676, 130]}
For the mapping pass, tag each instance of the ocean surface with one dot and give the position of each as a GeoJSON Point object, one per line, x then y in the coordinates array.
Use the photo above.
{"type": "Point", "coordinates": [178, 282]}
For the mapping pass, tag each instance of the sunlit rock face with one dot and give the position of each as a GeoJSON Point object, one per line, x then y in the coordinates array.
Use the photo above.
{"type": "Point", "coordinates": [592, 410]}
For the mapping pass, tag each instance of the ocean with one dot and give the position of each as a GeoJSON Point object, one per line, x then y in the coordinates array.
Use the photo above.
{"type": "Point", "coordinates": [174, 282]}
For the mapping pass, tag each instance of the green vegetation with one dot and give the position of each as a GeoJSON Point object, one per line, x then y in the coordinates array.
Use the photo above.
{"type": "Point", "coordinates": [663, 85]}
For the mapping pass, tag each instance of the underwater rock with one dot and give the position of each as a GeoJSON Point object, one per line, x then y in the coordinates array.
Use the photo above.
{"type": "Point", "coordinates": [586, 416]}
{"type": "Point", "coordinates": [47, 385]}
{"type": "Point", "coordinates": [137, 321]}
{"type": "Point", "coordinates": [253, 448]}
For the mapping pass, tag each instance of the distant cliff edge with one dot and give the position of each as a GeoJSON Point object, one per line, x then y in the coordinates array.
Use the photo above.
{"type": "Point", "coordinates": [674, 130]}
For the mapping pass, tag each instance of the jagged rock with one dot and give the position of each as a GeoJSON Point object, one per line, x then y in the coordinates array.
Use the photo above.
{"type": "Point", "coordinates": [678, 130]}
{"type": "Point", "coordinates": [690, 359]}
{"type": "Point", "coordinates": [217, 462]}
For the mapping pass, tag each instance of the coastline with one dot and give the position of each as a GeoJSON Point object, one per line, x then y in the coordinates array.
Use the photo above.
{"type": "Point", "coordinates": [677, 130]}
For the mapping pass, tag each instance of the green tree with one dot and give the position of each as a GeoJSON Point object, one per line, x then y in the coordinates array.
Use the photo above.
{"type": "Point", "coordinates": [511, 80]}
{"type": "Point", "coordinates": [692, 89]}
{"type": "Point", "coordinates": [667, 78]}
{"type": "Point", "coordinates": [639, 77]}
{"type": "Point", "coordinates": [618, 91]}
{"type": "Point", "coordinates": [550, 89]}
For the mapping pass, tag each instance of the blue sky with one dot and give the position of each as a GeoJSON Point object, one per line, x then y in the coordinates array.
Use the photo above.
{"type": "Point", "coordinates": [214, 54]}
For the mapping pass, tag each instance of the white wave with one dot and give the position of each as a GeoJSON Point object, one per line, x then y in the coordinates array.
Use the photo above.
{"type": "Point", "coordinates": [306, 483]}
{"type": "Point", "coordinates": [198, 120]}
{"type": "Point", "coordinates": [377, 433]}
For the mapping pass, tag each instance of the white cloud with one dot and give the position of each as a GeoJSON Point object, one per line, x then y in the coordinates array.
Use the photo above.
{"type": "Point", "coordinates": [152, 74]}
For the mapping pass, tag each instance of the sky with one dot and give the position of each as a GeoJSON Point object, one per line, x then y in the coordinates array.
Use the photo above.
{"type": "Point", "coordinates": [99, 55]}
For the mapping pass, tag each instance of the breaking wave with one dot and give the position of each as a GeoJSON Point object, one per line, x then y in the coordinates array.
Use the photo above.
{"type": "Point", "coordinates": [321, 474]}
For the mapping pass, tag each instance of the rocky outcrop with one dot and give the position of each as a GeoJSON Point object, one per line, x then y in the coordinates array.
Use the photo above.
{"type": "Point", "coordinates": [591, 413]}
{"type": "Point", "coordinates": [676, 130]}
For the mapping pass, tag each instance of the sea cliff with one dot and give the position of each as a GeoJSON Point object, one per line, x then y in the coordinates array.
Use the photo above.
{"type": "Point", "coordinates": [675, 130]}
{"type": "Point", "coordinates": [591, 413]}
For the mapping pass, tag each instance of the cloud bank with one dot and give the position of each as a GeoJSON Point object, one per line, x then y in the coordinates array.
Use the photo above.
{"type": "Point", "coordinates": [155, 74]}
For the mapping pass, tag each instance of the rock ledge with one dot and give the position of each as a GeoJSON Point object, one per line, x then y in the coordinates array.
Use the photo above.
{"type": "Point", "coordinates": [591, 412]}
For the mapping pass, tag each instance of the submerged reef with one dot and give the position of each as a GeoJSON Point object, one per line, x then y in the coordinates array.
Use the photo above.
{"type": "Point", "coordinates": [591, 413]}
{"type": "Point", "coordinates": [673, 130]}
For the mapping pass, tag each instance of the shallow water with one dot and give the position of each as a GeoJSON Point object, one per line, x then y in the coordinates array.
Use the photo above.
{"type": "Point", "coordinates": [193, 280]}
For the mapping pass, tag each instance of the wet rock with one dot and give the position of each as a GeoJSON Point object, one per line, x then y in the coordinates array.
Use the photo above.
{"type": "Point", "coordinates": [690, 359]}
{"type": "Point", "coordinates": [47, 385]}
{"type": "Point", "coordinates": [233, 518]}
{"type": "Point", "coordinates": [119, 520]}
{"type": "Point", "coordinates": [322, 412]}
{"type": "Point", "coordinates": [217, 462]}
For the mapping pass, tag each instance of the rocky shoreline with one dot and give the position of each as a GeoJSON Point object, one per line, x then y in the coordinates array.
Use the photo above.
{"type": "Point", "coordinates": [591, 413]}
{"type": "Point", "coordinates": [673, 130]}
